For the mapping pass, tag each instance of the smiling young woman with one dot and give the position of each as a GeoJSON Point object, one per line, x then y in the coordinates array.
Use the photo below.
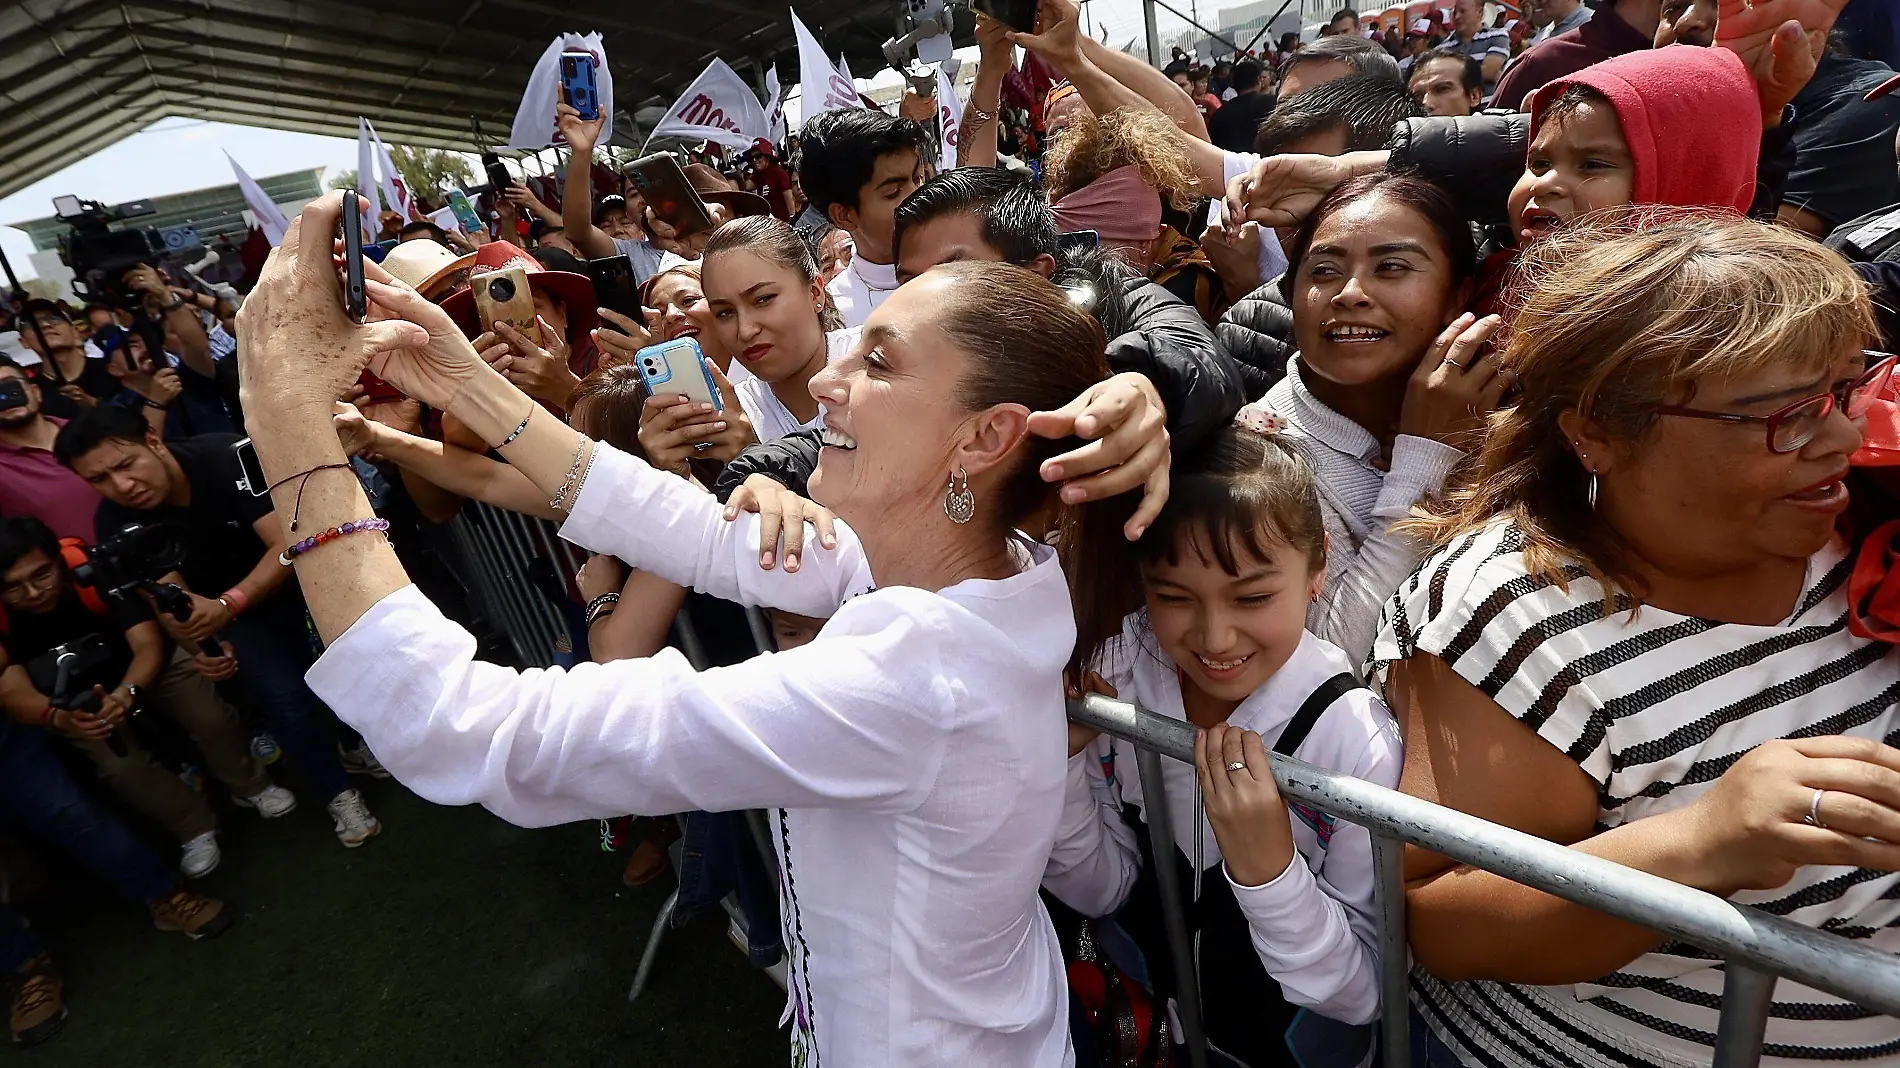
{"type": "Point", "coordinates": [1390, 382]}
{"type": "Point", "coordinates": [1632, 640]}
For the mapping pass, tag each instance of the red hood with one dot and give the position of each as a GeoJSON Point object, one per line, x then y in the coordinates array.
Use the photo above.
{"type": "Point", "coordinates": [1692, 118]}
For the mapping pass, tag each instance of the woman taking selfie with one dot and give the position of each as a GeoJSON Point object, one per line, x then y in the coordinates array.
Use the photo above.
{"type": "Point", "coordinates": [770, 310]}
{"type": "Point", "coordinates": [1390, 383]}
{"type": "Point", "coordinates": [914, 748]}
{"type": "Point", "coordinates": [1632, 641]}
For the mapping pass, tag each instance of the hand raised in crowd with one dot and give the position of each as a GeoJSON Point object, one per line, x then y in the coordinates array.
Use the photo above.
{"type": "Point", "coordinates": [1058, 36]}
{"type": "Point", "coordinates": [1750, 831]}
{"type": "Point", "coordinates": [357, 433]}
{"type": "Point", "coordinates": [671, 426]}
{"type": "Point", "coordinates": [992, 37]}
{"type": "Point", "coordinates": [1281, 191]}
{"type": "Point", "coordinates": [1081, 734]}
{"type": "Point", "coordinates": [1780, 42]}
{"type": "Point", "coordinates": [782, 516]}
{"type": "Point", "coordinates": [581, 135]}
{"type": "Point", "coordinates": [215, 668]}
{"type": "Point", "coordinates": [540, 371]}
{"type": "Point", "coordinates": [524, 198]}
{"type": "Point", "coordinates": [162, 388]}
{"type": "Point", "coordinates": [1457, 385]}
{"type": "Point", "coordinates": [689, 246]}
{"type": "Point", "coordinates": [145, 280]}
{"type": "Point", "coordinates": [601, 574]}
{"type": "Point", "coordinates": [1244, 805]}
{"type": "Point", "coordinates": [1126, 425]}
{"type": "Point", "coordinates": [1235, 254]}
{"type": "Point", "coordinates": [621, 338]}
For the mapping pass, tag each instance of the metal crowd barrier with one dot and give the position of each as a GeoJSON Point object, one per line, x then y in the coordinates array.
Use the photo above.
{"type": "Point", "coordinates": [1756, 946]}
{"type": "Point", "coordinates": [500, 547]}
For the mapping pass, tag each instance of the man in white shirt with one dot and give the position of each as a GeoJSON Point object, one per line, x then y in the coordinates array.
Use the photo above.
{"type": "Point", "coordinates": [857, 166]}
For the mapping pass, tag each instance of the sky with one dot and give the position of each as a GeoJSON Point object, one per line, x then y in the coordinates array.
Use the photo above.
{"type": "Point", "coordinates": [177, 155]}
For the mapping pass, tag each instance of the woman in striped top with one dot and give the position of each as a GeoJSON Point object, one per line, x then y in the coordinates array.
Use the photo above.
{"type": "Point", "coordinates": [1632, 640]}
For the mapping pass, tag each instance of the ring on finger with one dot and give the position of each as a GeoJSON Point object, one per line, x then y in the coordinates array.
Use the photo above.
{"type": "Point", "coordinates": [1813, 818]}
{"type": "Point", "coordinates": [1449, 362]}
{"type": "Point", "coordinates": [1237, 765]}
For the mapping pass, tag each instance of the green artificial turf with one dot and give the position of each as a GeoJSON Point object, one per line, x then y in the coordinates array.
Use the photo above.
{"type": "Point", "coordinates": [453, 939]}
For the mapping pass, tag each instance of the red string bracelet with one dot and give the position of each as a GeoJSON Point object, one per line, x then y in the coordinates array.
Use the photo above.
{"type": "Point", "coordinates": [358, 526]}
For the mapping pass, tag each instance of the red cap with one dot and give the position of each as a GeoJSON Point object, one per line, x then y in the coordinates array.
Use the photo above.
{"type": "Point", "coordinates": [576, 291]}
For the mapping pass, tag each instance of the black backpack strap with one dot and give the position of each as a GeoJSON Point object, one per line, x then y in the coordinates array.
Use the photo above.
{"type": "Point", "coordinates": [1315, 706]}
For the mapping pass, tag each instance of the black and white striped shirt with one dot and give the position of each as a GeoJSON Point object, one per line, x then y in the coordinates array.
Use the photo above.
{"type": "Point", "coordinates": [1655, 706]}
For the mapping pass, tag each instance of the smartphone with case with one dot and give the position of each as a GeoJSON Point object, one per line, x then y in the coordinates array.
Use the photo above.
{"type": "Point", "coordinates": [503, 297]}
{"type": "Point", "coordinates": [465, 212]}
{"type": "Point", "coordinates": [577, 84]}
{"type": "Point", "coordinates": [614, 288]}
{"type": "Point", "coordinates": [498, 177]}
{"type": "Point", "coordinates": [355, 294]}
{"type": "Point", "coordinates": [1018, 15]}
{"type": "Point", "coordinates": [678, 369]}
{"type": "Point", "coordinates": [662, 182]}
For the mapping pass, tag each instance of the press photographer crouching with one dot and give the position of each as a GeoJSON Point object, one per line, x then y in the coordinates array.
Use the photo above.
{"type": "Point", "coordinates": [230, 542]}
{"type": "Point", "coordinates": [84, 663]}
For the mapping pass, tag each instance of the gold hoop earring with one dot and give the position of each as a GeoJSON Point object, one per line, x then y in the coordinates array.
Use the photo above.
{"type": "Point", "coordinates": [959, 504]}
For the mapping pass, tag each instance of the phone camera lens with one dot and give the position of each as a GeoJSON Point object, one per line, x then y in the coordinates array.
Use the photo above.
{"type": "Point", "coordinates": [501, 290]}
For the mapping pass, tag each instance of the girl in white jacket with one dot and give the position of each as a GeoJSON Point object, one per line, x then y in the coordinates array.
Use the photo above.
{"type": "Point", "coordinates": [1283, 914]}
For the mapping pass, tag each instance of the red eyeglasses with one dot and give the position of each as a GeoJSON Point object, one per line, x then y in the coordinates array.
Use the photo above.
{"type": "Point", "coordinates": [1798, 423]}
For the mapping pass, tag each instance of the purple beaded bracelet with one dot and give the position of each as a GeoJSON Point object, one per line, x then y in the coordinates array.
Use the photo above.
{"type": "Point", "coordinates": [358, 526]}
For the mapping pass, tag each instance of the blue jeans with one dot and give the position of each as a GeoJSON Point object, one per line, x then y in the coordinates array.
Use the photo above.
{"type": "Point", "coordinates": [17, 944]}
{"type": "Point", "coordinates": [39, 796]}
{"type": "Point", "coordinates": [273, 652]}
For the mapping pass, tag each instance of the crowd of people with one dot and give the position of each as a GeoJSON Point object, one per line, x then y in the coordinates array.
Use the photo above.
{"type": "Point", "coordinates": [1495, 408]}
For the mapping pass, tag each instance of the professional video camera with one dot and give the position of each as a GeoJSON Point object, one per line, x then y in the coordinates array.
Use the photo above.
{"type": "Point", "coordinates": [133, 561]}
{"type": "Point", "coordinates": [100, 255]}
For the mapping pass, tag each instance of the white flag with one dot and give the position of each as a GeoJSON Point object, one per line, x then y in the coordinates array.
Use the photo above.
{"type": "Point", "coordinates": [534, 119]}
{"type": "Point", "coordinates": [949, 120]}
{"type": "Point", "coordinates": [447, 220]}
{"type": "Point", "coordinates": [718, 107]}
{"type": "Point", "coordinates": [844, 71]}
{"type": "Point", "coordinates": [775, 107]}
{"type": "Point", "coordinates": [270, 217]}
{"type": "Point", "coordinates": [820, 88]}
{"type": "Point", "coordinates": [395, 193]}
{"type": "Point", "coordinates": [366, 179]}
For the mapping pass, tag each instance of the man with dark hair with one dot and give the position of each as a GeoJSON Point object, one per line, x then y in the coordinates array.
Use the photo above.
{"type": "Point", "coordinates": [71, 379]}
{"type": "Point", "coordinates": [1448, 82]}
{"type": "Point", "coordinates": [1220, 81]}
{"type": "Point", "coordinates": [32, 481]}
{"type": "Point", "coordinates": [1469, 35]}
{"type": "Point", "coordinates": [1347, 115]}
{"type": "Point", "coordinates": [858, 165]}
{"type": "Point", "coordinates": [422, 229]}
{"type": "Point", "coordinates": [1233, 127]}
{"type": "Point", "coordinates": [123, 663]}
{"type": "Point", "coordinates": [1343, 24]}
{"type": "Point", "coordinates": [232, 540]}
{"type": "Point", "coordinates": [1333, 57]}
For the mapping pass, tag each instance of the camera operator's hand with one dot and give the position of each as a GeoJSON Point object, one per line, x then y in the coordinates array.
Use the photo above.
{"type": "Point", "coordinates": [78, 396]}
{"type": "Point", "coordinates": [162, 388]}
{"type": "Point", "coordinates": [76, 724]}
{"type": "Point", "coordinates": [215, 668]}
{"type": "Point", "coordinates": [208, 617]}
{"type": "Point", "coordinates": [581, 134]}
{"type": "Point", "coordinates": [113, 706]}
{"type": "Point", "coordinates": [145, 280]}
{"type": "Point", "coordinates": [539, 371]}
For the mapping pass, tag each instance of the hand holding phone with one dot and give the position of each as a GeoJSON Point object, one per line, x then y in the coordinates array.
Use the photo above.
{"type": "Point", "coordinates": [662, 183]}
{"type": "Point", "coordinates": [678, 368]}
{"type": "Point", "coordinates": [578, 88]}
{"type": "Point", "coordinates": [1018, 15]}
{"type": "Point", "coordinates": [355, 293]}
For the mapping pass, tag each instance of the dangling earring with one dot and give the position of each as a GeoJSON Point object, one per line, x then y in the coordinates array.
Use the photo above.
{"type": "Point", "coordinates": [959, 504]}
{"type": "Point", "coordinates": [1591, 492]}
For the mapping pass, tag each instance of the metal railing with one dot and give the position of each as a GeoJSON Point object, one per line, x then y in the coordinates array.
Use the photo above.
{"type": "Point", "coordinates": [500, 548]}
{"type": "Point", "coordinates": [1756, 946]}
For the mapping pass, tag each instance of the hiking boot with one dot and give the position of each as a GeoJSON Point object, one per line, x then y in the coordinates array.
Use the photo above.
{"type": "Point", "coordinates": [193, 915]}
{"type": "Point", "coordinates": [39, 1010]}
{"type": "Point", "coordinates": [270, 802]}
{"type": "Point", "coordinates": [201, 856]}
{"type": "Point", "coordinates": [354, 824]}
{"type": "Point", "coordinates": [360, 761]}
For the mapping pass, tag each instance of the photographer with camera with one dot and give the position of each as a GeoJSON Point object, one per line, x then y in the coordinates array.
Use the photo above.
{"type": "Point", "coordinates": [32, 481]}
{"type": "Point", "coordinates": [118, 664]}
{"type": "Point", "coordinates": [71, 381]}
{"type": "Point", "coordinates": [182, 321]}
{"type": "Point", "coordinates": [224, 539]}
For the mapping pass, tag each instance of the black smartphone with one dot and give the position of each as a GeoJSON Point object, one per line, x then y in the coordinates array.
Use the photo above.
{"type": "Point", "coordinates": [614, 288]}
{"type": "Point", "coordinates": [251, 473]}
{"type": "Point", "coordinates": [1018, 15]}
{"type": "Point", "coordinates": [1079, 241]}
{"type": "Point", "coordinates": [577, 84]}
{"type": "Point", "coordinates": [662, 182]}
{"type": "Point", "coordinates": [355, 294]}
{"type": "Point", "coordinates": [498, 178]}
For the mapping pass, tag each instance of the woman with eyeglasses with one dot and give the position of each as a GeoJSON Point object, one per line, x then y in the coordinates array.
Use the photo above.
{"type": "Point", "coordinates": [1632, 640]}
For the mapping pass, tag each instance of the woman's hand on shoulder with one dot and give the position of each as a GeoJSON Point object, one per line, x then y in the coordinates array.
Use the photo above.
{"type": "Point", "coordinates": [782, 518]}
{"type": "Point", "coordinates": [1126, 426]}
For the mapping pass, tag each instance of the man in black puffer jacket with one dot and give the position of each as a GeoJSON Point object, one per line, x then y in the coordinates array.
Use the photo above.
{"type": "Point", "coordinates": [986, 214]}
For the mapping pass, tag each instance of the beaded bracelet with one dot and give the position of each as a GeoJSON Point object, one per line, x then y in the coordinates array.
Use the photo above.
{"type": "Point", "coordinates": [359, 526]}
{"type": "Point", "coordinates": [600, 607]}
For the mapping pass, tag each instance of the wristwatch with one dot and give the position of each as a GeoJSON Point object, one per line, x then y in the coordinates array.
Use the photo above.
{"type": "Point", "coordinates": [132, 691]}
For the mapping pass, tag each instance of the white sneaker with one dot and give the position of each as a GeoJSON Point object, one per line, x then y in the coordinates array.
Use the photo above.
{"type": "Point", "coordinates": [354, 824]}
{"type": "Point", "coordinates": [270, 802]}
{"type": "Point", "coordinates": [201, 856]}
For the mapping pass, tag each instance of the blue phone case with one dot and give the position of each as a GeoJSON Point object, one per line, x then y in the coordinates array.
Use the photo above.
{"type": "Point", "coordinates": [577, 84]}
{"type": "Point", "coordinates": [657, 366]}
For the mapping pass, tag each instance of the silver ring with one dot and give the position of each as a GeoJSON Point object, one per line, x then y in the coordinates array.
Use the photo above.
{"type": "Point", "coordinates": [702, 446]}
{"type": "Point", "coordinates": [1449, 362]}
{"type": "Point", "coordinates": [1813, 818]}
{"type": "Point", "coordinates": [1237, 766]}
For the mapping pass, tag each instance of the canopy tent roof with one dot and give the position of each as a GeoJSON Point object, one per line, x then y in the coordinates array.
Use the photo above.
{"type": "Point", "coordinates": [76, 75]}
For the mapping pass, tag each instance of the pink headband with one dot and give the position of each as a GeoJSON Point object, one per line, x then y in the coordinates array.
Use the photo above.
{"type": "Point", "coordinates": [1118, 205]}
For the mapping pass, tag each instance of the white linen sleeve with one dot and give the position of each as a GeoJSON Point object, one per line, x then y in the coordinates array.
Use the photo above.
{"type": "Point", "coordinates": [1359, 583]}
{"type": "Point", "coordinates": [665, 525]}
{"type": "Point", "coordinates": [1096, 858]}
{"type": "Point", "coordinates": [837, 723]}
{"type": "Point", "coordinates": [1317, 931]}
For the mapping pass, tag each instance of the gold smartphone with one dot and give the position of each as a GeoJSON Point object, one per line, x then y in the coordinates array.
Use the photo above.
{"type": "Point", "coordinates": [503, 297]}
